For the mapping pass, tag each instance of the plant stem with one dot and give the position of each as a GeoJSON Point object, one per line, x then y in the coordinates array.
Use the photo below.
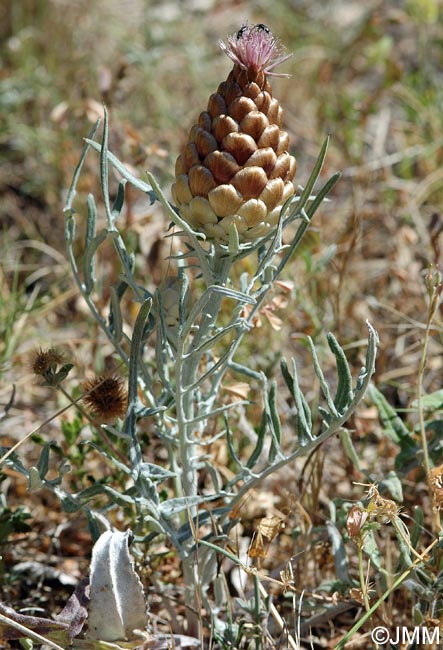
{"type": "Point", "coordinates": [122, 458]}
{"type": "Point", "coordinates": [186, 367]}
{"type": "Point", "coordinates": [27, 632]}
{"type": "Point", "coordinates": [435, 289]}
{"type": "Point", "coordinates": [257, 613]}
{"type": "Point", "coordinates": [341, 645]}
{"type": "Point", "coordinates": [363, 585]}
{"type": "Point", "coordinates": [281, 623]}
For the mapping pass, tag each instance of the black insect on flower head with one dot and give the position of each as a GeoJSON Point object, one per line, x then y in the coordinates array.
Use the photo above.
{"type": "Point", "coordinates": [241, 31]}
{"type": "Point", "coordinates": [254, 47]}
{"type": "Point", "coordinates": [260, 27]}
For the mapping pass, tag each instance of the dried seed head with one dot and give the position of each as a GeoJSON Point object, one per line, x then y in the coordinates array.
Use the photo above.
{"type": "Point", "coordinates": [45, 362]}
{"type": "Point", "coordinates": [435, 478]}
{"type": "Point", "coordinates": [266, 530]}
{"type": "Point", "coordinates": [385, 510]}
{"type": "Point", "coordinates": [355, 521]}
{"type": "Point", "coordinates": [106, 397]}
{"type": "Point", "coordinates": [50, 365]}
{"type": "Point", "coordinates": [235, 167]}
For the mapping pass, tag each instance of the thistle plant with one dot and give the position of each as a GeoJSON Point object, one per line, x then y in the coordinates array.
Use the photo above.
{"type": "Point", "coordinates": [236, 167]}
{"type": "Point", "coordinates": [233, 197]}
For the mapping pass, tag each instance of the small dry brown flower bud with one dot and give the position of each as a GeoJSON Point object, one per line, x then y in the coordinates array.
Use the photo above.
{"type": "Point", "coordinates": [106, 397]}
{"type": "Point", "coordinates": [44, 362]}
{"type": "Point", "coordinates": [355, 521]}
{"type": "Point", "coordinates": [50, 365]}
{"type": "Point", "coordinates": [235, 167]}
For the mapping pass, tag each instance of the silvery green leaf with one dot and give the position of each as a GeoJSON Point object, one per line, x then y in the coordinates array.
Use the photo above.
{"type": "Point", "coordinates": [155, 472]}
{"type": "Point", "coordinates": [232, 293]}
{"type": "Point", "coordinates": [34, 481]}
{"type": "Point", "coordinates": [371, 549]}
{"type": "Point", "coordinates": [172, 507]}
{"type": "Point", "coordinates": [120, 198]}
{"type": "Point", "coordinates": [261, 431]}
{"type": "Point", "coordinates": [68, 503]}
{"type": "Point", "coordinates": [417, 615]}
{"type": "Point", "coordinates": [136, 182]}
{"type": "Point", "coordinates": [346, 441]}
{"type": "Point", "coordinates": [63, 373]}
{"type": "Point", "coordinates": [431, 402]}
{"type": "Point", "coordinates": [89, 259]}
{"type": "Point", "coordinates": [338, 553]}
{"type": "Point", "coordinates": [117, 606]}
{"type": "Point", "coordinates": [344, 393]}
{"type": "Point", "coordinates": [72, 190]}
{"type": "Point", "coordinates": [43, 462]}
{"type": "Point", "coordinates": [393, 484]}
{"type": "Point", "coordinates": [394, 426]}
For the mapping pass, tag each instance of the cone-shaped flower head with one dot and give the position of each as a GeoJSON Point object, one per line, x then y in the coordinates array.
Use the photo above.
{"type": "Point", "coordinates": [236, 167]}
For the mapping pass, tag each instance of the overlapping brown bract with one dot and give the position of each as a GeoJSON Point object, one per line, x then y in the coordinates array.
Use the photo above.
{"type": "Point", "coordinates": [235, 167]}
